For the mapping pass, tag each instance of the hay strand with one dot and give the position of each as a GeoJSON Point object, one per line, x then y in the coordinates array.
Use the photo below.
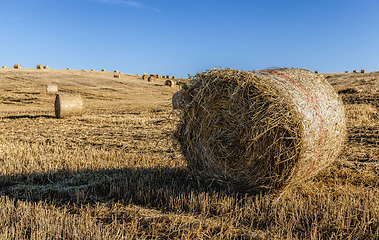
{"type": "Point", "coordinates": [67, 105]}
{"type": "Point", "coordinates": [260, 130]}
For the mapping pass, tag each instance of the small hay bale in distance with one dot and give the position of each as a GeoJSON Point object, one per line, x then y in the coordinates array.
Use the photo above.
{"type": "Point", "coordinates": [145, 76]}
{"type": "Point", "coordinates": [168, 76]}
{"type": "Point", "coordinates": [4, 67]}
{"type": "Point", "coordinates": [17, 66]}
{"type": "Point", "coordinates": [46, 67]}
{"type": "Point", "coordinates": [52, 89]}
{"type": "Point", "coordinates": [363, 71]}
{"type": "Point", "coordinates": [354, 71]}
{"type": "Point", "coordinates": [159, 76]}
{"type": "Point", "coordinates": [117, 75]}
{"type": "Point", "coordinates": [173, 77]}
{"type": "Point", "coordinates": [115, 71]}
{"type": "Point", "coordinates": [316, 71]}
{"type": "Point", "coordinates": [346, 71]}
{"type": "Point", "coordinates": [68, 105]}
{"type": "Point", "coordinates": [68, 68]}
{"type": "Point", "coordinates": [261, 130]}
{"type": "Point", "coordinates": [151, 79]}
{"type": "Point", "coordinates": [103, 70]}
{"type": "Point", "coordinates": [39, 66]}
{"type": "Point", "coordinates": [169, 83]}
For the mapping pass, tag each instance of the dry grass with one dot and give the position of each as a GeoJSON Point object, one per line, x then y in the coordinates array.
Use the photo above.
{"type": "Point", "coordinates": [114, 174]}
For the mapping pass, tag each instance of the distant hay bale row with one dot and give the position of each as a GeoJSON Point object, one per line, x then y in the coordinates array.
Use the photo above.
{"type": "Point", "coordinates": [52, 89]}
{"type": "Point", "coordinates": [17, 66]}
{"type": "Point", "coordinates": [67, 105]}
{"type": "Point", "coordinates": [260, 130]}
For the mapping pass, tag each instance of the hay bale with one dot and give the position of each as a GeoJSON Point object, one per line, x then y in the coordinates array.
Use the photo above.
{"type": "Point", "coordinates": [4, 67]}
{"type": "Point", "coordinates": [168, 76]}
{"type": "Point", "coordinates": [115, 71]}
{"type": "Point", "coordinates": [363, 71]}
{"type": "Point", "coordinates": [169, 83]}
{"type": "Point", "coordinates": [177, 101]}
{"type": "Point", "coordinates": [68, 68]}
{"type": "Point", "coordinates": [346, 71]}
{"type": "Point", "coordinates": [145, 76]}
{"type": "Point", "coordinates": [159, 76]}
{"type": "Point", "coordinates": [103, 70]}
{"type": "Point", "coordinates": [150, 79]}
{"type": "Point", "coordinates": [173, 77]}
{"type": "Point", "coordinates": [260, 130]}
{"type": "Point", "coordinates": [67, 105]}
{"type": "Point", "coordinates": [17, 66]}
{"type": "Point", "coordinates": [153, 75]}
{"type": "Point", "coordinates": [117, 75]}
{"type": "Point", "coordinates": [52, 89]}
{"type": "Point", "coordinates": [39, 66]}
{"type": "Point", "coordinates": [46, 67]}
{"type": "Point", "coordinates": [316, 72]}
{"type": "Point", "coordinates": [354, 71]}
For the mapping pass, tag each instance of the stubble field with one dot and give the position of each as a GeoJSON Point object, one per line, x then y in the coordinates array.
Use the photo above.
{"type": "Point", "coordinates": [114, 173]}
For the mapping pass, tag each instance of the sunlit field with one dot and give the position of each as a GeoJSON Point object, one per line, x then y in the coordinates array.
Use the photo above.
{"type": "Point", "coordinates": [116, 173]}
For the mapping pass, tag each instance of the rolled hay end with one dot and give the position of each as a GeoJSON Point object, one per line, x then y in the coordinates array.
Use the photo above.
{"type": "Point", "coordinates": [103, 70]}
{"type": "Point", "coordinates": [52, 89]}
{"type": "Point", "coordinates": [39, 66]}
{"type": "Point", "coordinates": [150, 79]}
{"type": "Point", "coordinates": [261, 130]}
{"type": "Point", "coordinates": [17, 66]}
{"type": "Point", "coordinates": [177, 100]}
{"type": "Point", "coordinates": [67, 105]}
{"type": "Point", "coordinates": [169, 83]}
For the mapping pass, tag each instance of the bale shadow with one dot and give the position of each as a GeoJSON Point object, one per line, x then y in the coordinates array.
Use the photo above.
{"type": "Point", "coordinates": [158, 188]}
{"type": "Point", "coordinates": [28, 117]}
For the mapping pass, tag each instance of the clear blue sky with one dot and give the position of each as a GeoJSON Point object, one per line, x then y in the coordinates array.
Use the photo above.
{"type": "Point", "coordinates": [178, 37]}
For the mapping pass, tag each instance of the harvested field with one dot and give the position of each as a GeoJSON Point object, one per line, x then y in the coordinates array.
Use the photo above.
{"type": "Point", "coordinates": [114, 172]}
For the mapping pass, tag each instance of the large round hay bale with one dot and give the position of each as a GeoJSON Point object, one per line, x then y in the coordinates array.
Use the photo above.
{"type": "Point", "coordinates": [169, 83]}
{"type": "Point", "coordinates": [52, 89]}
{"type": "Point", "coordinates": [145, 76]}
{"type": "Point", "coordinates": [39, 66]}
{"type": "Point", "coordinates": [177, 100]}
{"type": "Point", "coordinates": [260, 130]}
{"type": "Point", "coordinates": [17, 66]}
{"type": "Point", "coordinates": [150, 79]}
{"type": "Point", "coordinates": [67, 105]}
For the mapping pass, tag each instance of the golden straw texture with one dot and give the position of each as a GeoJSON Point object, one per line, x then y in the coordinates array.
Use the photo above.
{"type": "Point", "coordinates": [67, 105]}
{"type": "Point", "coordinates": [260, 130]}
{"type": "Point", "coordinates": [52, 89]}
